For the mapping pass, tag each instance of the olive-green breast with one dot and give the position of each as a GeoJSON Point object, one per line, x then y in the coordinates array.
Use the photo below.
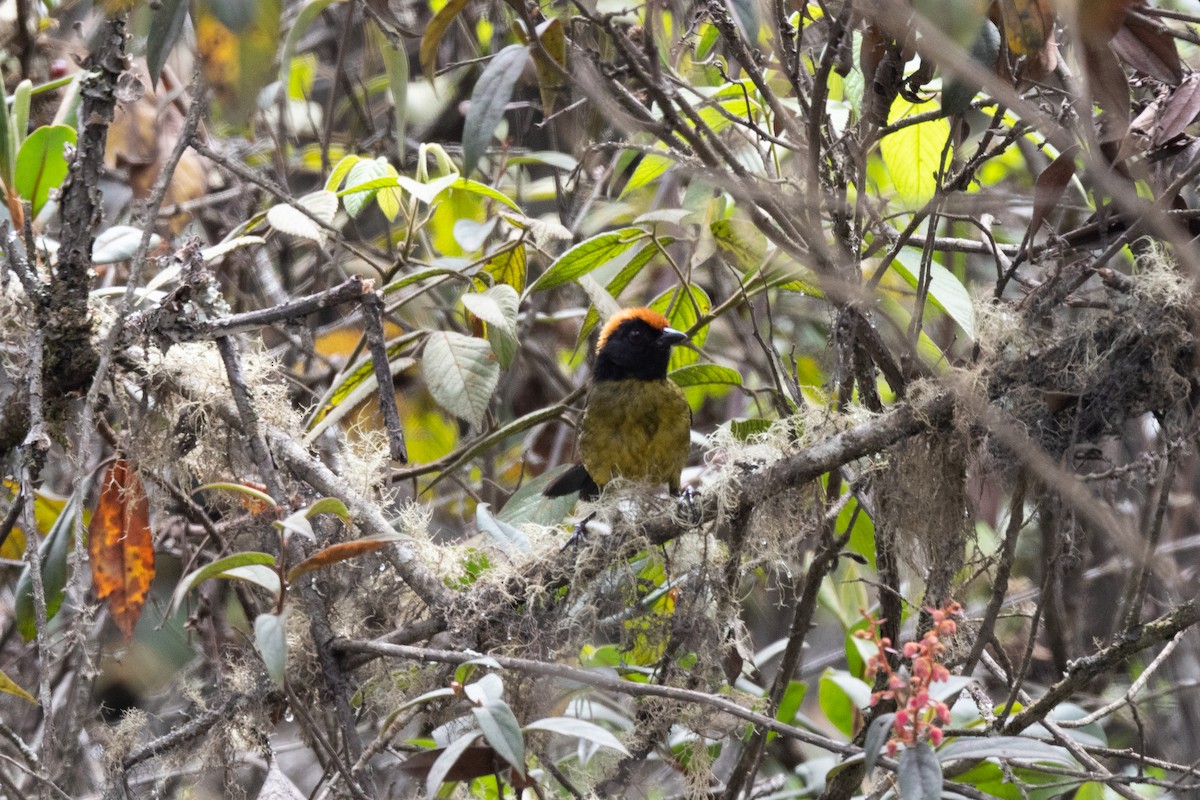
{"type": "Point", "coordinates": [637, 430]}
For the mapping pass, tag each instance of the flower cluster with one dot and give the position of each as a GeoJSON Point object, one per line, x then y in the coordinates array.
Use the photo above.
{"type": "Point", "coordinates": [918, 716]}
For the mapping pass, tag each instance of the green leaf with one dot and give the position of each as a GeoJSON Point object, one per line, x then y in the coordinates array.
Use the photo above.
{"type": "Point", "coordinates": [461, 373]}
{"type": "Point", "coordinates": [858, 651]}
{"type": "Point", "coordinates": [587, 256]}
{"type": "Point", "coordinates": [296, 522]}
{"type": "Point", "coordinates": [164, 32]}
{"type": "Point", "coordinates": [360, 184]}
{"type": "Point", "coordinates": [490, 97]}
{"type": "Point", "coordinates": [8, 153]}
{"type": "Point", "coordinates": [270, 639]}
{"type": "Point", "coordinates": [42, 164]}
{"type": "Point", "coordinates": [548, 158]}
{"type": "Point", "coordinates": [945, 290]}
{"type": "Point", "coordinates": [434, 31]}
{"type": "Point", "coordinates": [684, 311]}
{"type": "Point", "coordinates": [353, 387]}
{"type": "Point", "coordinates": [913, 154]}
{"type": "Point", "coordinates": [621, 280]}
{"type": "Point", "coordinates": [432, 694]}
{"type": "Point", "coordinates": [427, 193]}
{"type": "Point", "coordinates": [340, 171]}
{"type": "Point", "coordinates": [649, 169]}
{"type": "Point", "coordinates": [528, 504]}
{"type": "Point", "coordinates": [502, 731]}
{"type": "Point", "coordinates": [789, 705]}
{"type": "Point", "coordinates": [508, 265]}
{"type": "Point", "coordinates": [53, 552]}
{"type": "Point", "coordinates": [741, 242]}
{"type": "Point", "coordinates": [580, 729]}
{"type": "Point", "coordinates": [483, 190]}
{"type": "Point", "coordinates": [498, 308]}
{"type": "Point", "coordinates": [705, 375]}
{"type": "Point", "coordinates": [489, 688]}
{"type": "Point", "coordinates": [743, 429]}
{"type": "Point", "coordinates": [211, 254]}
{"type": "Point", "coordinates": [919, 774]}
{"type": "Point", "coordinates": [841, 696]}
{"type": "Point", "coordinates": [239, 488]}
{"type": "Point", "coordinates": [20, 112]}
{"type": "Point", "coordinates": [550, 70]}
{"type": "Point", "coordinates": [395, 65]}
{"type": "Point", "coordinates": [328, 505]}
{"type": "Point", "coordinates": [238, 566]}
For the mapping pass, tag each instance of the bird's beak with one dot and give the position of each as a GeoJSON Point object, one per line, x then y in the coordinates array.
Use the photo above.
{"type": "Point", "coordinates": [671, 337]}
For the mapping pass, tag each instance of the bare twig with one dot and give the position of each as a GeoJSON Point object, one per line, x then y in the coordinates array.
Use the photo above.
{"type": "Point", "coordinates": [1083, 670]}
{"type": "Point", "coordinates": [373, 319]}
{"type": "Point", "coordinates": [231, 357]}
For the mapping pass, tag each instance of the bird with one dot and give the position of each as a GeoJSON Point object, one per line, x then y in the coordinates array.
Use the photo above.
{"type": "Point", "coordinates": [636, 423]}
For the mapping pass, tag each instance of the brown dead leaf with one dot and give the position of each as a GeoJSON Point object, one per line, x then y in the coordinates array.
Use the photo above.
{"type": "Point", "coordinates": [1147, 46]}
{"type": "Point", "coordinates": [1049, 187]}
{"type": "Point", "coordinates": [475, 762]}
{"type": "Point", "coordinates": [1167, 117]}
{"type": "Point", "coordinates": [140, 139]}
{"type": "Point", "coordinates": [1109, 88]}
{"type": "Point", "coordinates": [1097, 21]}
{"type": "Point", "coordinates": [1179, 111]}
{"type": "Point", "coordinates": [120, 545]}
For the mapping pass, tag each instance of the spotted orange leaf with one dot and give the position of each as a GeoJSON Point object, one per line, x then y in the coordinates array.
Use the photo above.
{"type": "Point", "coordinates": [120, 546]}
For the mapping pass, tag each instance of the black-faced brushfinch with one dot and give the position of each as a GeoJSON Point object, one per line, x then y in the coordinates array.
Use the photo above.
{"type": "Point", "coordinates": [637, 424]}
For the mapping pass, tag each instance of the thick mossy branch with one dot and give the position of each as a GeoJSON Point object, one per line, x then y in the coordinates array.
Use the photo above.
{"type": "Point", "coordinates": [70, 355]}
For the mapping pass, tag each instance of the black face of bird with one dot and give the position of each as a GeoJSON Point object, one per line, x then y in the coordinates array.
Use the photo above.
{"type": "Point", "coordinates": [636, 349]}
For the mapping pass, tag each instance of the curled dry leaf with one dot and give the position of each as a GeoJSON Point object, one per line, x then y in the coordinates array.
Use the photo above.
{"type": "Point", "coordinates": [121, 547]}
{"type": "Point", "coordinates": [140, 139]}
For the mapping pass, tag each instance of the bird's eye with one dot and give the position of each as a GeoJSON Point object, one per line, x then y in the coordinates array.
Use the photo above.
{"type": "Point", "coordinates": [635, 334]}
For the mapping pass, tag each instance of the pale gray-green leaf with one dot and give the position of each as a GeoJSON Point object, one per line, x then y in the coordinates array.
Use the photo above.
{"type": "Point", "coordinates": [503, 732]}
{"type": "Point", "coordinates": [570, 726]}
{"type": "Point", "coordinates": [919, 774]}
{"type": "Point", "coordinates": [288, 218]}
{"type": "Point", "coordinates": [490, 97]}
{"type": "Point", "coordinates": [270, 639]}
{"type": "Point", "coordinates": [461, 373]}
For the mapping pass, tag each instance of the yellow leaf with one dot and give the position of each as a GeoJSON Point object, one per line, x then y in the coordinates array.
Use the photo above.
{"type": "Point", "coordinates": [913, 154]}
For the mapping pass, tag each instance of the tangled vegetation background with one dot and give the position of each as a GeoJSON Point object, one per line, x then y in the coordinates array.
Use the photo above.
{"type": "Point", "coordinates": [296, 306]}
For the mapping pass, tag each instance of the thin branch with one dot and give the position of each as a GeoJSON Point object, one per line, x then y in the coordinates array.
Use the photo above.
{"type": "Point", "coordinates": [1083, 670]}
{"type": "Point", "coordinates": [372, 307]}
{"type": "Point", "coordinates": [1131, 692]}
{"type": "Point", "coordinates": [231, 357]}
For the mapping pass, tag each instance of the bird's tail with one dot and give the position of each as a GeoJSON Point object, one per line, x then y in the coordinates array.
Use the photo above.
{"type": "Point", "coordinates": [576, 479]}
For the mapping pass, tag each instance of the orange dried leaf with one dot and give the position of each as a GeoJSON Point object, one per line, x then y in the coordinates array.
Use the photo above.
{"type": "Point", "coordinates": [121, 547]}
{"type": "Point", "coordinates": [339, 552]}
